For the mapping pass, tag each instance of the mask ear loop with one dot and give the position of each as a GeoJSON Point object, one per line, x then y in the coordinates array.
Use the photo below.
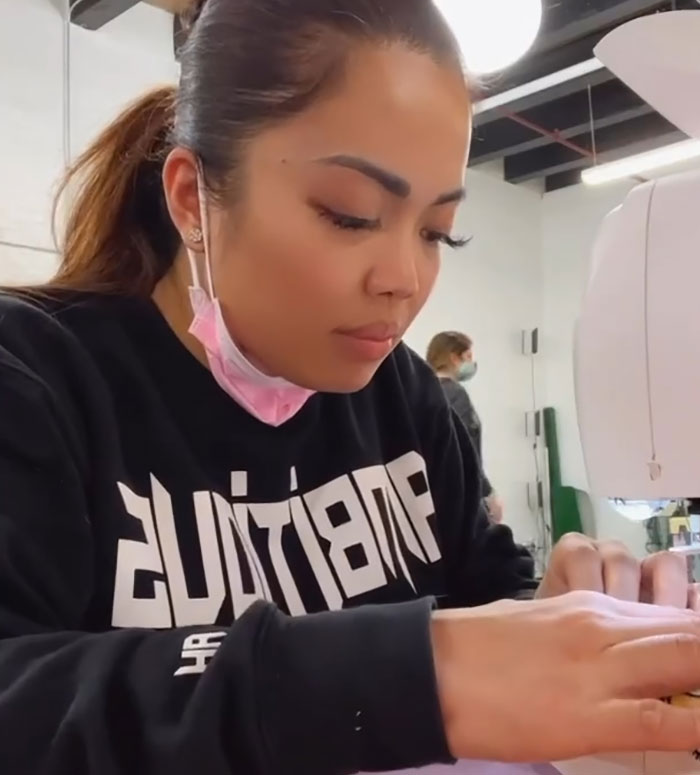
{"type": "Point", "coordinates": [206, 243]}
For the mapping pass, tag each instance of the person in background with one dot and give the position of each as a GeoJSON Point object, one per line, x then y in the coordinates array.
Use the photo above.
{"type": "Point", "coordinates": [231, 499]}
{"type": "Point", "coordinates": [451, 355]}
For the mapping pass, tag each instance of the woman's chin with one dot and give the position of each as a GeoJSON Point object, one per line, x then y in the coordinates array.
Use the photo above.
{"type": "Point", "coordinates": [350, 379]}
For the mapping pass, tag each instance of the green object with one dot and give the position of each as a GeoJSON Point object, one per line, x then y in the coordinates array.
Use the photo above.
{"type": "Point", "coordinates": [566, 517]}
{"type": "Point", "coordinates": [658, 535]}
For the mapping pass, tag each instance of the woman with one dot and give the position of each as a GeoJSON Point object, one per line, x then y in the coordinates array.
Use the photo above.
{"type": "Point", "coordinates": [451, 356]}
{"type": "Point", "coordinates": [210, 407]}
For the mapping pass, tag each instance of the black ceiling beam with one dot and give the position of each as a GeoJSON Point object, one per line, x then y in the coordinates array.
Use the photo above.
{"type": "Point", "coordinates": [608, 14]}
{"type": "Point", "coordinates": [613, 103]}
{"type": "Point", "coordinates": [562, 180]}
{"type": "Point", "coordinates": [501, 138]}
{"type": "Point", "coordinates": [643, 133]}
{"type": "Point", "coordinates": [531, 141]}
{"type": "Point", "coordinates": [573, 162]}
{"type": "Point", "coordinates": [557, 92]}
{"type": "Point", "coordinates": [93, 14]}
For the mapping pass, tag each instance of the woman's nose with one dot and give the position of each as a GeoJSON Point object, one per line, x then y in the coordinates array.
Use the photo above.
{"type": "Point", "coordinates": [396, 273]}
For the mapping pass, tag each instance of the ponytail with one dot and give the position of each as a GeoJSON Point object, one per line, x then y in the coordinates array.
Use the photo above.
{"type": "Point", "coordinates": [118, 236]}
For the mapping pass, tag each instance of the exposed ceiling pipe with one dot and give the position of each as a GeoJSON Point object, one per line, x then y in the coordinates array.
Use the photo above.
{"type": "Point", "coordinates": [552, 134]}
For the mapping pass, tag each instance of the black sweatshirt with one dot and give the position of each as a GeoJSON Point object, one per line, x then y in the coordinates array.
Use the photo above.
{"type": "Point", "coordinates": [154, 538]}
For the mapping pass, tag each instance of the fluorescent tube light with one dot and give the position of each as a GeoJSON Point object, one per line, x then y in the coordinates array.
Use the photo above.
{"type": "Point", "coordinates": [642, 163]}
{"type": "Point", "coordinates": [539, 85]}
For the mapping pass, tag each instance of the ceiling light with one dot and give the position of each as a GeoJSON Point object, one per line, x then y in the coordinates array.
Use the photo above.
{"type": "Point", "coordinates": [545, 83]}
{"type": "Point", "coordinates": [642, 163]}
{"type": "Point", "coordinates": [493, 34]}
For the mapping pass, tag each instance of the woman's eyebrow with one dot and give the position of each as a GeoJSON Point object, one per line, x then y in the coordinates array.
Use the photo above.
{"type": "Point", "coordinates": [390, 181]}
{"type": "Point", "coordinates": [393, 183]}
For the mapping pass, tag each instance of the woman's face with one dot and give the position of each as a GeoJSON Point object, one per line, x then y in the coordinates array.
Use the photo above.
{"type": "Point", "coordinates": [457, 360]}
{"type": "Point", "coordinates": [334, 246]}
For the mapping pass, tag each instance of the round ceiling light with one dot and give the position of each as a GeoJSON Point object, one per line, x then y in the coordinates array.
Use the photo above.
{"type": "Point", "coordinates": [493, 34]}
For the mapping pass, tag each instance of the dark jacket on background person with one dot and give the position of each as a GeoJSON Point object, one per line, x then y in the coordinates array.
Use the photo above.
{"type": "Point", "coordinates": [459, 400]}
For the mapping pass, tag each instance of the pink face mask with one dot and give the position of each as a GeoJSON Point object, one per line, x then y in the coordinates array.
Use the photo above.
{"type": "Point", "coordinates": [271, 400]}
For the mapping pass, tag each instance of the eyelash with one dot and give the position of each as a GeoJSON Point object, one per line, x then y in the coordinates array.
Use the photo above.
{"type": "Point", "coordinates": [348, 222]}
{"type": "Point", "coordinates": [353, 223]}
{"type": "Point", "coordinates": [455, 243]}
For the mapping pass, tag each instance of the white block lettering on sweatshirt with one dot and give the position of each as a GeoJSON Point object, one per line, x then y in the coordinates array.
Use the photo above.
{"type": "Point", "coordinates": [359, 532]}
{"type": "Point", "coordinates": [188, 610]}
{"type": "Point", "coordinates": [134, 556]}
{"type": "Point", "coordinates": [339, 498]}
{"type": "Point", "coordinates": [198, 651]}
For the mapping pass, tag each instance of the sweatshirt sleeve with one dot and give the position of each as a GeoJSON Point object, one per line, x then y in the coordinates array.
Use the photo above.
{"type": "Point", "coordinates": [317, 695]}
{"type": "Point", "coordinates": [483, 562]}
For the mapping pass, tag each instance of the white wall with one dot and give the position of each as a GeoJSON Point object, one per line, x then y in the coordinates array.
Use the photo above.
{"type": "Point", "coordinates": [115, 65]}
{"type": "Point", "coordinates": [31, 119]}
{"type": "Point", "coordinates": [57, 101]}
{"type": "Point", "coordinates": [491, 290]}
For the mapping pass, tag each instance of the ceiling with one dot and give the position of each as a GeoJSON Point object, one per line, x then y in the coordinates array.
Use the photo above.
{"type": "Point", "coordinates": [94, 14]}
{"type": "Point", "coordinates": [546, 135]}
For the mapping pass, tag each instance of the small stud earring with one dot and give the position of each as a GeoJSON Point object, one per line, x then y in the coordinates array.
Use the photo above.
{"type": "Point", "coordinates": [195, 235]}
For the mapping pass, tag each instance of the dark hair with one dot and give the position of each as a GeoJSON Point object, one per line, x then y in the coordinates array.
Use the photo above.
{"type": "Point", "coordinates": [246, 65]}
{"type": "Point", "coordinates": [445, 345]}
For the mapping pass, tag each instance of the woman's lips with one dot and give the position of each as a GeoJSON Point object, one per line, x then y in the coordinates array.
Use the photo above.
{"type": "Point", "coordinates": [370, 343]}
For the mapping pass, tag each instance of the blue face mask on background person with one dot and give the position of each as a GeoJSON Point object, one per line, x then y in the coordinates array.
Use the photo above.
{"type": "Point", "coordinates": [467, 371]}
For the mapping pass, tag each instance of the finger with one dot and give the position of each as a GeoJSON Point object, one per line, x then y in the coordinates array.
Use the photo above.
{"type": "Point", "coordinates": [582, 564]}
{"type": "Point", "coordinates": [694, 597]}
{"type": "Point", "coordinates": [654, 667]}
{"type": "Point", "coordinates": [664, 580]}
{"type": "Point", "coordinates": [630, 629]}
{"type": "Point", "coordinates": [644, 725]}
{"type": "Point", "coordinates": [628, 611]}
{"type": "Point", "coordinates": [621, 571]}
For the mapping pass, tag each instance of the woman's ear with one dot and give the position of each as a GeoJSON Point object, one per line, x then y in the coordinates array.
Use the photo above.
{"type": "Point", "coordinates": [181, 186]}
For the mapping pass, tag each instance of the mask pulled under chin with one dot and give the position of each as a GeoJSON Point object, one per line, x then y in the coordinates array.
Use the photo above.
{"type": "Point", "coordinates": [272, 400]}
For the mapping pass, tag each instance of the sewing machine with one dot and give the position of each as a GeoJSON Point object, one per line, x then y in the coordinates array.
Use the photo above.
{"type": "Point", "coordinates": [637, 349]}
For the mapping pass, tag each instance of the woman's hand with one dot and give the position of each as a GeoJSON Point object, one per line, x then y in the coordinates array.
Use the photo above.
{"type": "Point", "coordinates": [579, 563]}
{"type": "Point", "coordinates": [570, 676]}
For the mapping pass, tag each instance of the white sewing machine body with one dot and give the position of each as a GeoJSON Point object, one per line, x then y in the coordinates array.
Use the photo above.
{"type": "Point", "coordinates": [638, 346]}
{"type": "Point", "coordinates": [637, 350]}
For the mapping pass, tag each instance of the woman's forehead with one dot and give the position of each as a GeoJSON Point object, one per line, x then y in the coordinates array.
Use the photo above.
{"type": "Point", "coordinates": [398, 110]}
